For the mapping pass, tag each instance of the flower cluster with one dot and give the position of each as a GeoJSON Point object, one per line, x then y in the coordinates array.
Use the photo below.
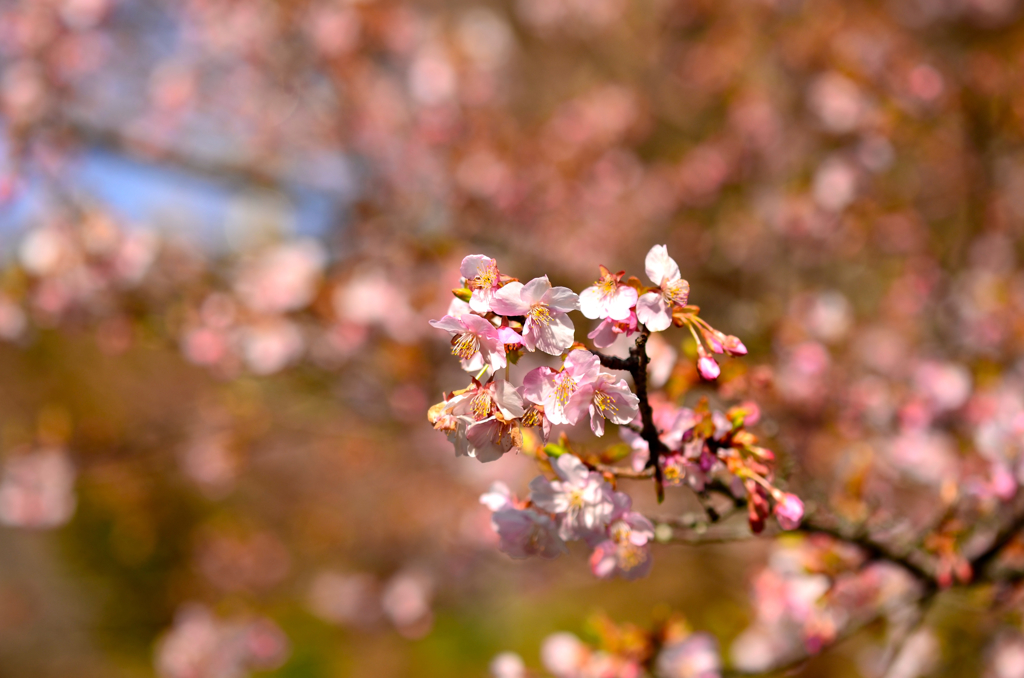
{"type": "Point", "coordinates": [578, 504]}
{"type": "Point", "coordinates": [496, 320]}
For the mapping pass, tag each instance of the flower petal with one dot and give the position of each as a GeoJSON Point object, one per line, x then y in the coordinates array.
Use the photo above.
{"type": "Point", "coordinates": [654, 312]}
{"type": "Point", "coordinates": [474, 264]}
{"type": "Point", "coordinates": [535, 290]}
{"type": "Point", "coordinates": [561, 299]}
{"type": "Point", "coordinates": [508, 300]}
{"type": "Point", "coordinates": [621, 301]}
{"type": "Point", "coordinates": [554, 336]}
{"type": "Point", "coordinates": [661, 268]}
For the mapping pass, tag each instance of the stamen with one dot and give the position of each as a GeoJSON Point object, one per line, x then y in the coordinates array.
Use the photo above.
{"type": "Point", "coordinates": [481, 405]}
{"type": "Point", "coordinates": [564, 389]}
{"type": "Point", "coordinates": [540, 314]}
{"type": "Point", "coordinates": [607, 286]}
{"type": "Point", "coordinates": [604, 402]}
{"type": "Point", "coordinates": [466, 345]}
{"type": "Point", "coordinates": [487, 278]}
{"type": "Point", "coordinates": [677, 292]}
{"type": "Point", "coordinates": [532, 417]}
{"type": "Point", "coordinates": [631, 556]}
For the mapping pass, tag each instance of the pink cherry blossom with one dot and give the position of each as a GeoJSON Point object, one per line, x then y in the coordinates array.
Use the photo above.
{"type": "Point", "coordinates": [482, 277]}
{"type": "Point", "coordinates": [527, 532]}
{"type": "Point", "coordinates": [608, 297]}
{"type": "Point", "coordinates": [581, 499]}
{"type": "Point", "coordinates": [498, 497]}
{"type": "Point", "coordinates": [696, 656]}
{"type": "Point", "coordinates": [609, 398]}
{"type": "Point", "coordinates": [475, 341]}
{"type": "Point", "coordinates": [482, 421]}
{"type": "Point", "coordinates": [789, 511]}
{"type": "Point", "coordinates": [547, 326]}
{"type": "Point", "coordinates": [561, 392]}
{"type": "Point", "coordinates": [654, 309]}
{"type": "Point", "coordinates": [37, 490]}
{"type": "Point", "coordinates": [563, 654]}
{"type": "Point", "coordinates": [605, 334]}
{"type": "Point", "coordinates": [626, 550]}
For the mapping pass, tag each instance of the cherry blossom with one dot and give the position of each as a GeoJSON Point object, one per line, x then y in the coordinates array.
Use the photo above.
{"type": "Point", "coordinates": [654, 309]}
{"type": "Point", "coordinates": [695, 656]}
{"type": "Point", "coordinates": [626, 551]}
{"type": "Point", "coordinates": [608, 297]}
{"type": "Point", "coordinates": [562, 392]}
{"type": "Point", "coordinates": [581, 498]}
{"type": "Point", "coordinates": [547, 326]}
{"type": "Point", "coordinates": [605, 334]}
{"type": "Point", "coordinates": [37, 489]}
{"type": "Point", "coordinates": [475, 341]}
{"type": "Point", "coordinates": [609, 398]}
{"type": "Point", "coordinates": [482, 277]}
{"type": "Point", "coordinates": [482, 420]}
{"type": "Point", "coordinates": [527, 532]}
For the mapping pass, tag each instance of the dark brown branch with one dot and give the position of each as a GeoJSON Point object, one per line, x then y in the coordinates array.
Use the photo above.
{"type": "Point", "coordinates": [981, 561]}
{"type": "Point", "coordinates": [636, 365]}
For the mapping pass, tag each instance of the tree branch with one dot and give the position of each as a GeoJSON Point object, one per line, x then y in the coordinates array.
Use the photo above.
{"type": "Point", "coordinates": [636, 365]}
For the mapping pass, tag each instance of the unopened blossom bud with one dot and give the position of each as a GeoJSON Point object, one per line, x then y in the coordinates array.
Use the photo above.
{"type": "Point", "coordinates": [715, 339]}
{"type": "Point", "coordinates": [733, 346]}
{"type": "Point", "coordinates": [708, 368]}
{"type": "Point", "coordinates": [789, 511]}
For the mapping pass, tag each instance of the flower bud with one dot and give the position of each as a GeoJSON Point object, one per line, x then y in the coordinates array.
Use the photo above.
{"type": "Point", "coordinates": [708, 368]}
{"type": "Point", "coordinates": [733, 346]}
{"type": "Point", "coordinates": [789, 511]}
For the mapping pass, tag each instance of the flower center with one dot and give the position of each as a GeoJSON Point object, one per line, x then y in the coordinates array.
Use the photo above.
{"type": "Point", "coordinates": [481, 405]}
{"type": "Point", "coordinates": [540, 314]}
{"type": "Point", "coordinates": [576, 499]}
{"type": "Point", "coordinates": [564, 389]}
{"type": "Point", "coordinates": [631, 555]}
{"type": "Point", "coordinates": [486, 278]}
{"type": "Point", "coordinates": [619, 532]}
{"type": "Point", "coordinates": [604, 402]}
{"type": "Point", "coordinates": [532, 417]}
{"type": "Point", "coordinates": [607, 286]}
{"type": "Point", "coordinates": [677, 291]}
{"type": "Point", "coordinates": [466, 345]}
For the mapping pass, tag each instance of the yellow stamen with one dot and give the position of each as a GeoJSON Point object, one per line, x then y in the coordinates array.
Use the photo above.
{"type": "Point", "coordinates": [481, 405]}
{"type": "Point", "coordinates": [604, 402]}
{"type": "Point", "coordinates": [486, 278]}
{"type": "Point", "coordinates": [532, 417]}
{"type": "Point", "coordinates": [540, 314]}
{"type": "Point", "coordinates": [564, 389]}
{"type": "Point", "coordinates": [677, 292]}
{"type": "Point", "coordinates": [466, 345]}
{"type": "Point", "coordinates": [631, 556]}
{"type": "Point", "coordinates": [607, 286]}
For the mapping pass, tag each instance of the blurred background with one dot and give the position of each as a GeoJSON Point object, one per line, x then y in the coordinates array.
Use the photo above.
{"type": "Point", "coordinates": [224, 225]}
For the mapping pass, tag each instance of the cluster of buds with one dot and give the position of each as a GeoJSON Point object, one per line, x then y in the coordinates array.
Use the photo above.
{"type": "Point", "coordinates": [495, 320]}
{"type": "Point", "coordinates": [706, 446]}
{"type": "Point", "coordinates": [578, 505]}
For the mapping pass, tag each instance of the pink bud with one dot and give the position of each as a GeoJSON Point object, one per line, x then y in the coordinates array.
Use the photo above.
{"type": "Point", "coordinates": [733, 346]}
{"type": "Point", "coordinates": [789, 511]}
{"type": "Point", "coordinates": [708, 368]}
{"type": "Point", "coordinates": [714, 340]}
